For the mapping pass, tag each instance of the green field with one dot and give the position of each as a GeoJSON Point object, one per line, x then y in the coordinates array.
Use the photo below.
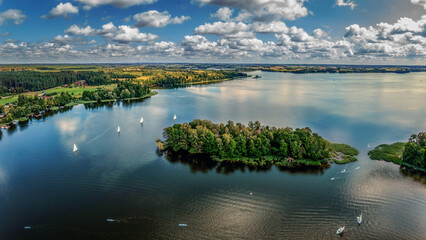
{"type": "Point", "coordinates": [76, 91]}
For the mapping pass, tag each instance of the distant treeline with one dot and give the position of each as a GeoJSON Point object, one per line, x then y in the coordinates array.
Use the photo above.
{"type": "Point", "coordinates": [36, 81]}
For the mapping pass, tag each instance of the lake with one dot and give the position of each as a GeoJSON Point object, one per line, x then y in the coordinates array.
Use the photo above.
{"type": "Point", "coordinates": [63, 195]}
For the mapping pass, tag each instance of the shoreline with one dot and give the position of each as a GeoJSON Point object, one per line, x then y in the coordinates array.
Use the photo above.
{"type": "Point", "coordinates": [70, 105]}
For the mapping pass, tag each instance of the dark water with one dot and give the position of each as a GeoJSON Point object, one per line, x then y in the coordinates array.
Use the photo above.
{"type": "Point", "coordinates": [43, 184]}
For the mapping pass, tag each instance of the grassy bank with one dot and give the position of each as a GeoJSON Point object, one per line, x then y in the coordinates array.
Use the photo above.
{"type": "Point", "coordinates": [388, 152]}
{"type": "Point", "coordinates": [342, 153]}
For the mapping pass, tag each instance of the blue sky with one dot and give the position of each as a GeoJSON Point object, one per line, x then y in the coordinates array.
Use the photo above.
{"type": "Point", "coordinates": [279, 31]}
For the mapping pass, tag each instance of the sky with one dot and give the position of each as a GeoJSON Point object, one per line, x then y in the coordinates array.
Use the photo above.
{"type": "Point", "coordinates": [214, 31]}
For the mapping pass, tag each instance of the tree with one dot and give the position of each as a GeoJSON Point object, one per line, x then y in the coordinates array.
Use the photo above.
{"type": "Point", "coordinates": [125, 94]}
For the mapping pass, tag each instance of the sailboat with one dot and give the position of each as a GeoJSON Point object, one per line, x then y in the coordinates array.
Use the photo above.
{"type": "Point", "coordinates": [359, 219]}
{"type": "Point", "coordinates": [174, 117]}
{"type": "Point", "coordinates": [118, 129]}
{"type": "Point", "coordinates": [340, 230]}
{"type": "Point", "coordinates": [141, 120]}
{"type": "Point", "coordinates": [75, 149]}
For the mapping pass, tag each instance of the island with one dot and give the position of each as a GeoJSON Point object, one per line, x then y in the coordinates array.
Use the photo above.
{"type": "Point", "coordinates": [254, 145]}
{"type": "Point", "coordinates": [410, 154]}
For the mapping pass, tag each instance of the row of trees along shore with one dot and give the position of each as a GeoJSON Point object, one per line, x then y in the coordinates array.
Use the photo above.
{"type": "Point", "coordinates": [28, 105]}
{"type": "Point", "coordinates": [254, 144]}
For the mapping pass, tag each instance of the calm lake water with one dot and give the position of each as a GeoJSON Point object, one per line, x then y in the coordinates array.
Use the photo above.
{"type": "Point", "coordinates": [43, 184]}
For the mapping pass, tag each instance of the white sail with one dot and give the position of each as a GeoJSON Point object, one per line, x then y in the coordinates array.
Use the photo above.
{"type": "Point", "coordinates": [174, 117]}
{"type": "Point", "coordinates": [75, 148]}
{"type": "Point", "coordinates": [118, 129]}
{"type": "Point", "coordinates": [142, 120]}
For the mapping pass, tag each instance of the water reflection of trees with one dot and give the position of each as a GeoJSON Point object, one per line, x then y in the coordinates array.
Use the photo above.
{"type": "Point", "coordinates": [414, 174]}
{"type": "Point", "coordinates": [203, 163]}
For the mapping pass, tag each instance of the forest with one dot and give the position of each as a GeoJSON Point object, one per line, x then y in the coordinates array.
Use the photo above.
{"type": "Point", "coordinates": [254, 145]}
{"type": "Point", "coordinates": [24, 81]}
{"type": "Point", "coordinates": [124, 90]}
{"type": "Point", "coordinates": [415, 151]}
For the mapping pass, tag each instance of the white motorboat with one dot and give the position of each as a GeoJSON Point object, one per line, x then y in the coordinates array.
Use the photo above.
{"type": "Point", "coordinates": [340, 230]}
{"type": "Point", "coordinates": [359, 219]}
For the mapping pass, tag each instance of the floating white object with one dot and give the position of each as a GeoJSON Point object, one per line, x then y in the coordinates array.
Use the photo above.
{"type": "Point", "coordinates": [343, 171]}
{"type": "Point", "coordinates": [27, 227]}
{"type": "Point", "coordinates": [359, 219]}
{"type": "Point", "coordinates": [251, 193]}
{"type": "Point", "coordinates": [357, 168]}
{"type": "Point", "coordinates": [75, 149]}
{"type": "Point", "coordinates": [182, 224]}
{"type": "Point", "coordinates": [340, 230]}
{"type": "Point", "coordinates": [118, 129]}
{"type": "Point", "coordinates": [332, 178]}
{"type": "Point", "coordinates": [141, 120]}
{"type": "Point", "coordinates": [174, 117]}
{"type": "Point", "coordinates": [110, 220]}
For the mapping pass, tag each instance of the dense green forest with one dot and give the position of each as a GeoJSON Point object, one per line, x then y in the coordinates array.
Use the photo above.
{"type": "Point", "coordinates": [124, 90]}
{"type": "Point", "coordinates": [19, 82]}
{"type": "Point", "coordinates": [415, 151]}
{"type": "Point", "coordinates": [174, 80]}
{"type": "Point", "coordinates": [411, 153]}
{"type": "Point", "coordinates": [253, 145]}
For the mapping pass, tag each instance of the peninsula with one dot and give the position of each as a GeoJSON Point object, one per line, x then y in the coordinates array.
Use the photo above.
{"type": "Point", "coordinates": [410, 154]}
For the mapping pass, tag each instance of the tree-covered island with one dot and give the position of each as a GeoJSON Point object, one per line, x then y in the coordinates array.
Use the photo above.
{"type": "Point", "coordinates": [411, 154]}
{"type": "Point", "coordinates": [255, 144]}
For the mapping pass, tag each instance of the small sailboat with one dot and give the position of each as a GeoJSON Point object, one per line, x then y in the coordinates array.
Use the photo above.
{"type": "Point", "coordinates": [359, 219]}
{"type": "Point", "coordinates": [340, 230]}
{"type": "Point", "coordinates": [174, 117]}
{"type": "Point", "coordinates": [141, 120]}
{"type": "Point", "coordinates": [75, 149]}
{"type": "Point", "coordinates": [118, 129]}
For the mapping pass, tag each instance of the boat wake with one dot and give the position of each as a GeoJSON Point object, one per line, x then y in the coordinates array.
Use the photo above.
{"type": "Point", "coordinates": [100, 135]}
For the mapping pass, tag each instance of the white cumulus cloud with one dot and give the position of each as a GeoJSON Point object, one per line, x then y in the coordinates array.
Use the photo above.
{"type": "Point", "coordinates": [157, 19]}
{"type": "Point", "coordinates": [419, 2]}
{"type": "Point", "coordinates": [116, 3]}
{"type": "Point", "coordinates": [14, 15]}
{"type": "Point", "coordinates": [62, 10]}
{"type": "Point", "coordinates": [265, 9]}
{"type": "Point", "coordinates": [348, 3]}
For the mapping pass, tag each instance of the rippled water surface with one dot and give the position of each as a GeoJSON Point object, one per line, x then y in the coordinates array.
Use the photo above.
{"type": "Point", "coordinates": [43, 184]}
